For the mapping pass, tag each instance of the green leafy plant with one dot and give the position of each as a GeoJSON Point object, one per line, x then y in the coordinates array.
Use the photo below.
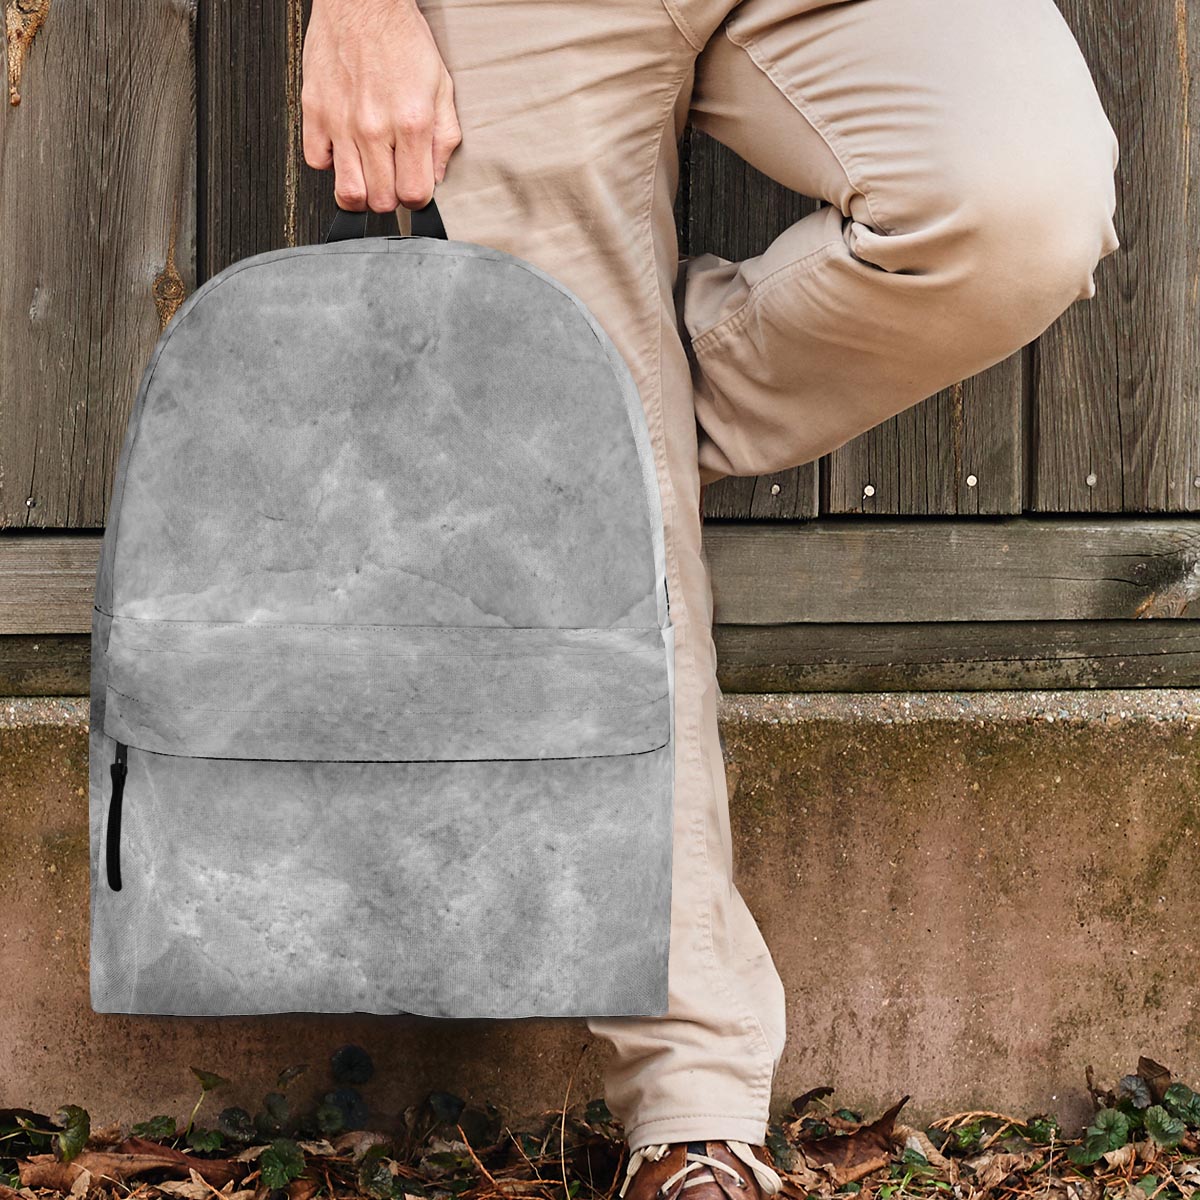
{"type": "Point", "coordinates": [1180, 1101]}
{"type": "Point", "coordinates": [210, 1081]}
{"type": "Point", "coordinates": [158, 1128]}
{"type": "Point", "coordinates": [1042, 1129]}
{"type": "Point", "coordinates": [1165, 1129]}
{"type": "Point", "coordinates": [375, 1176]}
{"type": "Point", "coordinates": [1109, 1130]}
{"type": "Point", "coordinates": [73, 1127]}
{"type": "Point", "coordinates": [235, 1124]}
{"type": "Point", "coordinates": [281, 1162]}
{"type": "Point", "coordinates": [206, 1141]}
{"type": "Point", "coordinates": [1135, 1090]}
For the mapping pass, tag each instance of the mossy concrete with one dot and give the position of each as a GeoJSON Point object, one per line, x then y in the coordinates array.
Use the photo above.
{"type": "Point", "coordinates": [970, 897]}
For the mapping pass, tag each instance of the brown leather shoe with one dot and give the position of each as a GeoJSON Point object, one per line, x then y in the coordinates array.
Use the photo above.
{"type": "Point", "coordinates": [725, 1170]}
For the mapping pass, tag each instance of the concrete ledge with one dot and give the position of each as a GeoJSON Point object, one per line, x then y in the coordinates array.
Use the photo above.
{"type": "Point", "coordinates": [970, 896]}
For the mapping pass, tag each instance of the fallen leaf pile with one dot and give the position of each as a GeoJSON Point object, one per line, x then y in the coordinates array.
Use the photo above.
{"type": "Point", "coordinates": [1143, 1142]}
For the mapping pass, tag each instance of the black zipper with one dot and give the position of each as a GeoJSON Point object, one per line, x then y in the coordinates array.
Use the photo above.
{"type": "Point", "coordinates": [113, 839]}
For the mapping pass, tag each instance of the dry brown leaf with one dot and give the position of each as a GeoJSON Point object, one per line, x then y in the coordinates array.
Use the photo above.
{"type": "Point", "coordinates": [1123, 1156]}
{"type": "Point", "coordinates": [44, 1170]}
{"type": "Point", "coordinates": [302, 1188]}
{"type": "Point", "coordinates": [357, 1142]}
{"type": "Point", "coordinates": [1148, 1151]}
{"type": "Point", "coordinates": [918, 1139]}
{"type": "Point", "coordinates": [320, 1148]}
{"type": "Point", "coordinates": [1157, 1077]}
{"type": "Point", "coordinates": [109, 1135]}
{"type": "Point", "coordinates": [846, 1158]}
{"type": "Point", "coordinates": [188, 1189]}
{"type": "Point", "coordinates": [217, 1171]}
{"type": "Point", "coordinates": [992, 1167]}
{"type": "Point", "coordinates": [521, 1187]}
{"type": "Point", "coordinates": [803, 1178]}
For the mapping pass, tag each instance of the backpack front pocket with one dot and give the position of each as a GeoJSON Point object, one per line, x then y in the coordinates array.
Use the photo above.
{"type": "Point", "coordinates": [365, 819]}
{"type": "Point", "coordinates": [385, 693]}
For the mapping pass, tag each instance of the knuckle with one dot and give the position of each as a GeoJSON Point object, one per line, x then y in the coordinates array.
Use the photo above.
{"type": "Point", "coordinates": [414, 120]}
{"type": "Point", "coordinates": [383, 202]}
{"type": "Point", "coordinates": [372, 127]}
{"type": "Point", "coordinates": [413, 197]}
{"type": "Point", "coordinates": [350, 196]}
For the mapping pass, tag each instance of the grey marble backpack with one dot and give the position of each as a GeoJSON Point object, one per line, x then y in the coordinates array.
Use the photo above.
{"type": "Point", "coordinates": [382, 707]}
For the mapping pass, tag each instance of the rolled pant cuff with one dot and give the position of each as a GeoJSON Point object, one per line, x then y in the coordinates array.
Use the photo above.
{"type": "Point", "coordinates": [698, 1127]}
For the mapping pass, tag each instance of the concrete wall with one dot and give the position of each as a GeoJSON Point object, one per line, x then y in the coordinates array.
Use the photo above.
{"type": "Point", "coordinates": [970, 897]}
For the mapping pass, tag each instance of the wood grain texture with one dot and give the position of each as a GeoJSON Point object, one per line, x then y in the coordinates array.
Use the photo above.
{"type": "Point", "coordinates": [50, 664]}
{"type": "Point", "coordinates": [994, 569]}
{"type": "Point", "coordinates": [957, 656]}
{"type": "Point", "coordinates": [47, 582]}
{"type": "Point", "coordinates": [1117, 400]}
{"type": "Point", "coordinates": [97, 203]}
{"type": "Point", "coordinates": [956, 453]}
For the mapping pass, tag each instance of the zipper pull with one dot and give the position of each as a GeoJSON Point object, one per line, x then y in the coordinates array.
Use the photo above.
{"type": "Point", "coordinates": [113, 838]}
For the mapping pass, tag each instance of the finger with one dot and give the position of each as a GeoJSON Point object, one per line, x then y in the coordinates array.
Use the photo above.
{"type": "Point", "coordinates": [379, 173]}
{"type": "Point", "coordinates": [318, 146]}
{"type": "Point", "coordinates": [349, 188]}
{"type": "Point", "coordinates": [318, 149]}
{"type": "Point", "coordinates": [414, 162]}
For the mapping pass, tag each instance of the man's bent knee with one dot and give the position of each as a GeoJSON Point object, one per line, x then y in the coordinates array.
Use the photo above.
{"type": "Point", "coordinates": [1016, 243]}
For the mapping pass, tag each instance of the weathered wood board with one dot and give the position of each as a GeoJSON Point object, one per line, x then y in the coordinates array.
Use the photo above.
{"type": "Point", "coordinates": [999, 569]}
{"type": "Point", "coordinates": [97, 225]}
{"type": "Point", "coordinates": [1117, 395]}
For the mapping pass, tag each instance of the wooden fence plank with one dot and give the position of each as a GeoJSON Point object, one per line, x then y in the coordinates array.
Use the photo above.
{"type": "Point", "coordinates": [45, 664]}
{"type": "Point", "coordinates": [842, 571]}
{"type": "Point", "coordinates": [1117, 401]}
{"type": "Point", "coordinates": [998, 569]}
{"type": "Point", "coordinates": [957, 656]}
{"type": "Point", "coordinates": [47, 582]}
{"type": "Point", "coordinates": [97, 199]}
{"type": "Point", "coordinates": [958, 452]}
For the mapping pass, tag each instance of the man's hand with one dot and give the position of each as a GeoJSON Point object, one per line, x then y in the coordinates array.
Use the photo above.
{"type": "Point", "coordinates": [378, 103]}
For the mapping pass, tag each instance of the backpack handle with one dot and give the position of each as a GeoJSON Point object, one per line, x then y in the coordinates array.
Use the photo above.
{"type": "Point", "coordinates": [426, 222]}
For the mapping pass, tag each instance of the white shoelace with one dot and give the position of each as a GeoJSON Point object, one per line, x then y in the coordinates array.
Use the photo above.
{"type": "Point", "coordinates": [768, 1179]}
